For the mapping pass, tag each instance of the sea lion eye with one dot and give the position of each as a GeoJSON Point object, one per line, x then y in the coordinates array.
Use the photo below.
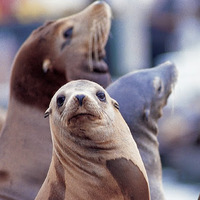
{"type": "Point", "coordinates": [60, 100]}
{"type": "Point", "coordinates": [101, 95]}
{"type": "Point", "coordinates": [68, 32]}
{"type": "Point", "coordinates": [159, 88]}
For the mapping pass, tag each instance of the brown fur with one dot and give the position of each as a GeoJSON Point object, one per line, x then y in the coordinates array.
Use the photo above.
{"type": "Point", "coordinates": [67, 63]}
{"type": "Point", "coordinates": [93, 144]}
{"type": "Point", "coordinates": [49, 58]}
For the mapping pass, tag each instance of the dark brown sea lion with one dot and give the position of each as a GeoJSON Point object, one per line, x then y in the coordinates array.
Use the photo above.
{"type": "Point", "coordinates": [58, 52]}
{"type": "Point", "coordinates": [94, 154]}
{"type": "Point", "coordinates": [141, 96]}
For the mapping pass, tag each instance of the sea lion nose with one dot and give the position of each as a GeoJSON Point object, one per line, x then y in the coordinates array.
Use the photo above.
{"type": "Point", "coordinates": [80, 98]}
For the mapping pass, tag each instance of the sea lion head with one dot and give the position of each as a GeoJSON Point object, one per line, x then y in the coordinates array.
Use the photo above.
{"type": "Point", "coordinates": [60, 51]}
{"type": "Point", "coordinates": [148, 91]}
{"type": "Point", "coordinates": [83, 108]}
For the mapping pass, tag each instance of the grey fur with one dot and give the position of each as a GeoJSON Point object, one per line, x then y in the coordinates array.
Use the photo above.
{"type": "Point", "coordinates": [141, 96]}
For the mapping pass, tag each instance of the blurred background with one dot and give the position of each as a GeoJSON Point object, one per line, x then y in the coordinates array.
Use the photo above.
{"type": "Point", "coordinates": [144, 34]}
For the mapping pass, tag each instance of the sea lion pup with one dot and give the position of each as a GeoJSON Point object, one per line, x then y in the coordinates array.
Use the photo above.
{"type": "Point", "coordinates": [94, 154]}
{"type": "Point", "coordinates": [142, 96]}
{"type": "Point", "coordinates": [58, 52]}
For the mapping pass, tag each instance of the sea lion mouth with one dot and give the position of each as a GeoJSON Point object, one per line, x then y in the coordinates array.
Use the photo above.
{"type": "Point", "coordinates": [82, 117]}
{"type": "Point", "coordinates": [99, 66]}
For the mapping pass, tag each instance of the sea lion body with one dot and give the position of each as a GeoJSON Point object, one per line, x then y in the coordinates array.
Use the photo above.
{"type": "Point", "coordinates": [60, 51]}
{"type": "Point", "coordinates": [141, 96]}
{"type": "Point", "coordinates": [94, 154]}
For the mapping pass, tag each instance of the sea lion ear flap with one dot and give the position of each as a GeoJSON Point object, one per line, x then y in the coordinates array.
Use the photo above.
{"type": "Point", "coordinates": [47, 113]}
{"type": "Point", "coordinates": [115, 104]}
{"type": "Point", "coordinates": [146, 114]}
{"type": "Point", "coordinates": [46, 66]}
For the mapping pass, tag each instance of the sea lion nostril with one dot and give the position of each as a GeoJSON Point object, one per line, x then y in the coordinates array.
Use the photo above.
{"type": "Point", "coordinates": [80, 98]}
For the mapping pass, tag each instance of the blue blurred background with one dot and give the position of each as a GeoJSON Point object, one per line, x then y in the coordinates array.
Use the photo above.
{"type": "Point", "coordinates": [144, 34]}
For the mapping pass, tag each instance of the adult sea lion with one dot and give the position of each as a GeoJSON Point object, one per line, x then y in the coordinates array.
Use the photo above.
{"type": "Point", "coordinates": [58, 52]}
{"type": "Point", "coordinates": [94, 154]}
{"type": "Point", "coordinates": [142, 96]}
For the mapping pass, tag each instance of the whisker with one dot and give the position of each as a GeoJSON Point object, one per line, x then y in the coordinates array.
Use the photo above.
{"type": "Point", "coordinates": [100, 35]}
{"type": "Point", "coordinates": [90, 50]}
{"type": "Point", "coordinates": [107, 116]}
{"type": "Point", "coordinates": [95, 42]}
{"type": "Point", "coordinates": [103, 28]}
{"type": "Point", "coordinates": [102, 31]}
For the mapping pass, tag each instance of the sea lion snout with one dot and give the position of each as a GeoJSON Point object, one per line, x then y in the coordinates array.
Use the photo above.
{"type": "Point", "coordinates": [82, 108]}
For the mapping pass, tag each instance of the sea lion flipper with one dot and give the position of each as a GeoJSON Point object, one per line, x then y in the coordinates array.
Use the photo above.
{"type": "Point", "coordinates": [123, 171]}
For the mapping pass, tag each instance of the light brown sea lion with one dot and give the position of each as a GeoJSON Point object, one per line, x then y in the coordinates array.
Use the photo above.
{"type": "Point", "coordinates": [94, 154]}
{"type": "Point", "coordinates": [58, 52]}
{"type": "Point", "coordinates": [142, 96]}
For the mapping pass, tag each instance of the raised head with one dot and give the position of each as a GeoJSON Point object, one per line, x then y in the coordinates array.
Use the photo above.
{"type": "Point", "coordinates": [60, 51]}
{"type": "Point", "coordinates": [148, 91]}
{"type": "Point", "coordinates": [141, 96]}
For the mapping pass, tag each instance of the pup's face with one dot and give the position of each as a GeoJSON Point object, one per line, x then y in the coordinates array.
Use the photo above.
{"type": "Point", "coordinates": [84, 108]}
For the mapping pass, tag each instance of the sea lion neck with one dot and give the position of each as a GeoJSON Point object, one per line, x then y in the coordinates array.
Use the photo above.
{"type": "Point", "coordinates": [26, 116]}
{"type": "Point", "coordinates": [82, 148]}
{"type": "Point", "coordinates": [31, 137]}
{"type": "Point", "coordinates": [29, 84]}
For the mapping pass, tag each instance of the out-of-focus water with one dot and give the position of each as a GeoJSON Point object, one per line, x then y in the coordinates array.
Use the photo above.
{"type": "Point", "coordinates": [175, 190]}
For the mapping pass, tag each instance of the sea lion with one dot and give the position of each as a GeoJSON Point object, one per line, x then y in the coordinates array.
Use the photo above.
{"type": "Point", "coordinates": [142, 96]}
{"type": "Point", "coordinates": [58, 52]}
{"type": "Point", "coordinates": [94, 154]}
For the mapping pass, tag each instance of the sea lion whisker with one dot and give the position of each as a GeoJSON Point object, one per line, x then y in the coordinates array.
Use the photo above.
{"type": "Point", "coordinates": [90, 44]}
{"type": "Point", "coordinates": [104, 28]}
{"type": "Point", "coordinates": [100, 36]}
{"type": "Point", "coordinates": [107, 116]}
{"type": "Point", "coordinates": [95, 42]}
